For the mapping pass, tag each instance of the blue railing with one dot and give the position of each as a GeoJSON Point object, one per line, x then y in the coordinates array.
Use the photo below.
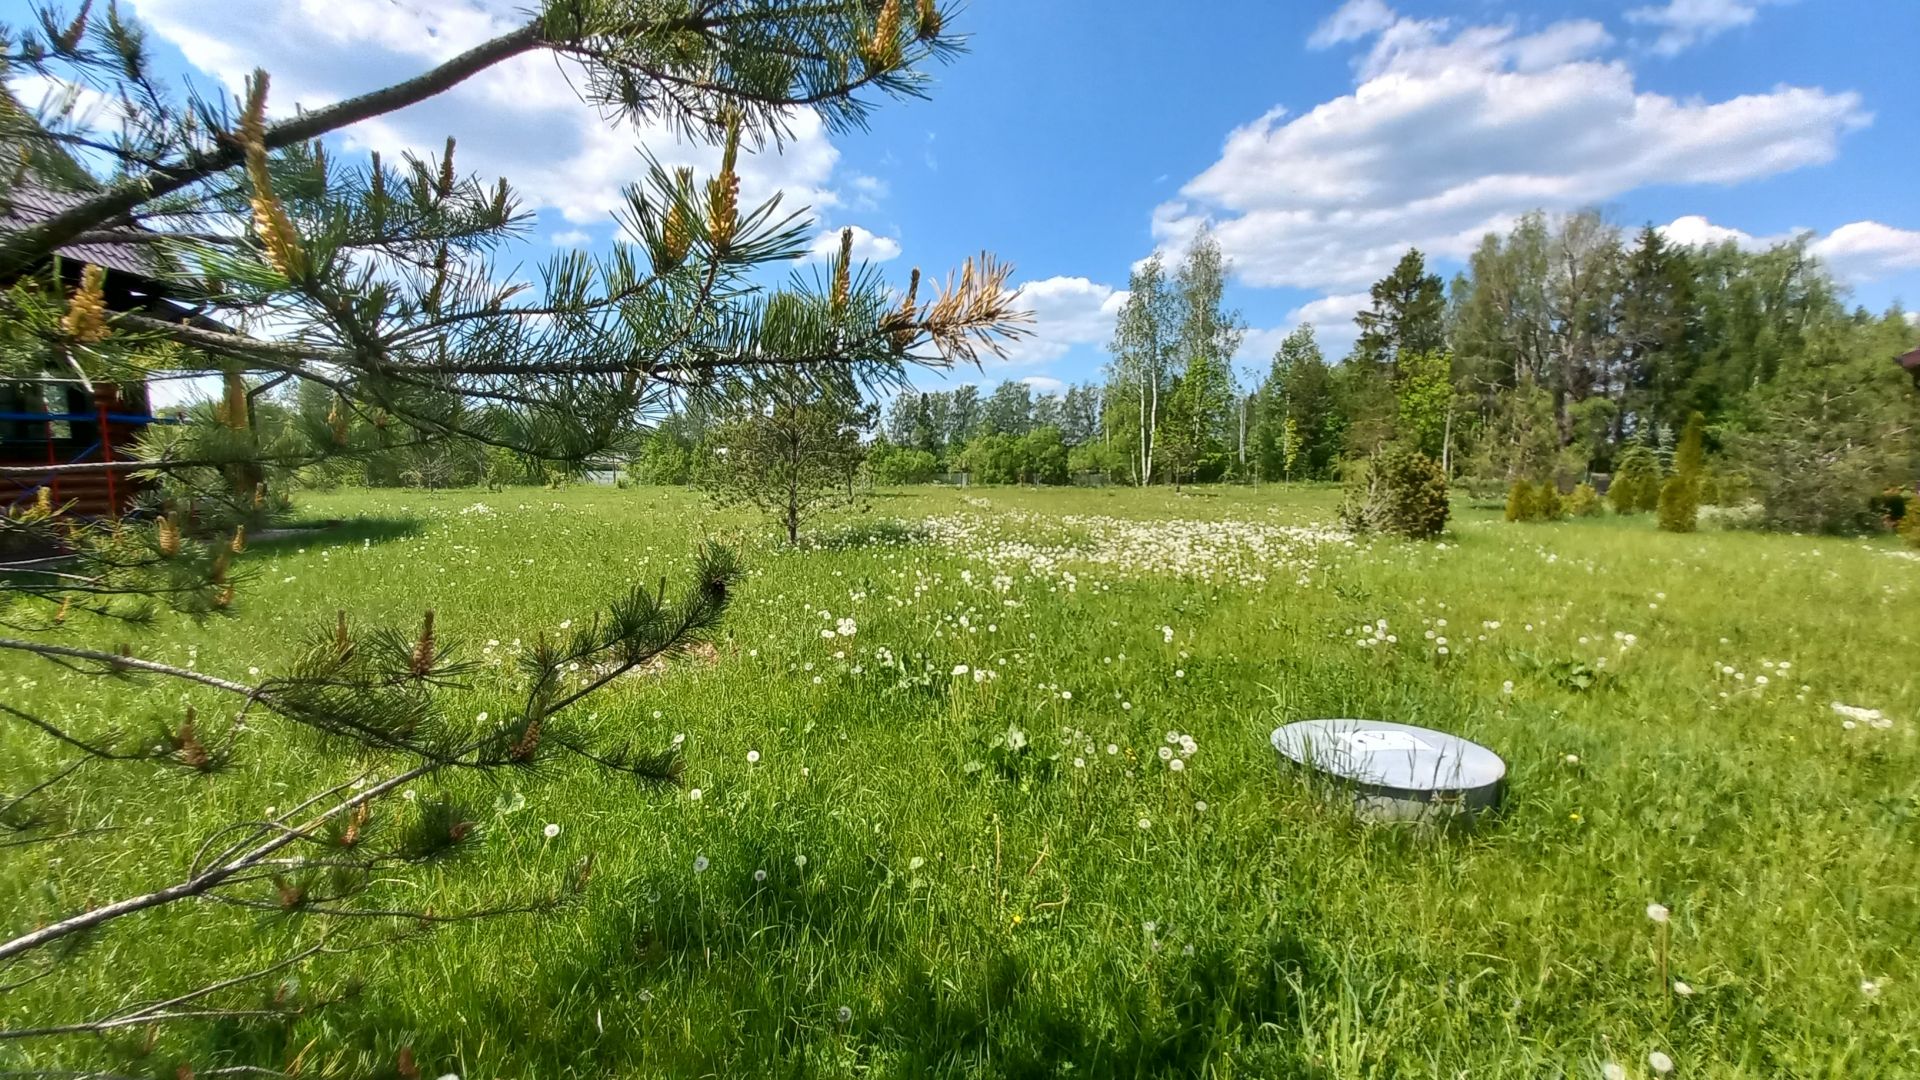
{"type": "Point", "coordinates": [29, 487]}
{"type": "Point", "coordinates": [84, 418]}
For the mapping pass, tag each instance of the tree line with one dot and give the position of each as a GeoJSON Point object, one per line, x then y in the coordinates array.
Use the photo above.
{"type": "Point", "coordinates": [1563, 349]}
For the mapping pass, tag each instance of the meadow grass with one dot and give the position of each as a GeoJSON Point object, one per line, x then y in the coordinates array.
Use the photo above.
{"type": "Point", "coordinates": [936, 903]}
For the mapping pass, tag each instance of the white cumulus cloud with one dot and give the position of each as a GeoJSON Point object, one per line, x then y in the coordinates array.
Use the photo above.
{"type": "Point", "coordinates": [1333, 329]}
{"type": "Point", "coordinates": [867, 247]}
{"type": "Point", "coordinates": [522, 119]}
{"type": "Point", "coordinates": [1353, 20]}
{"type": "Point", "coordinates": [1067, 311]}
{"type": "Point", "coordinates": [1857, 251]}
{"type": "Point", "coordinates": [1452, 131]}
{"type": "Point", "coordinates": [1682, 24]}
{"type": "Point", "coordinates": [1864, 250]}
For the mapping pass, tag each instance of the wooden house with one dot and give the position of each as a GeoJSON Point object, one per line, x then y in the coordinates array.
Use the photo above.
{"type": "Point", "coordinates": [61, 417]}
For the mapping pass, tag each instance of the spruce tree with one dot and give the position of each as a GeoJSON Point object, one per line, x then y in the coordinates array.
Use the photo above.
{"type": "Point", "coordinates": [1679, 504]}
{"type": "Point", "coordinates": [1636, 481]}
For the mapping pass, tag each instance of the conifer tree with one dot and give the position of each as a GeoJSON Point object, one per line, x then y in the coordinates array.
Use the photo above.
{"type": "Point", "coordinates": [1521, 505]}
{"type": "Point", "coordinates": [381, 272]}
{"type": "Point", "coordinates": [790, 450]}
{"type": "Point", "coordinates": [1680, 496]}
{"type": "Point", "coordinates": [1635, 487]}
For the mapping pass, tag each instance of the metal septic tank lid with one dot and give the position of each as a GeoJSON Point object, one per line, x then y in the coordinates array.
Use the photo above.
{"type": "Point", "coordinates": [1397, 771]}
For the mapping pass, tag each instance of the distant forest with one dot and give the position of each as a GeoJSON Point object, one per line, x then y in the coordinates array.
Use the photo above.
{"type": "Point", "coordinates": [1561, 345]}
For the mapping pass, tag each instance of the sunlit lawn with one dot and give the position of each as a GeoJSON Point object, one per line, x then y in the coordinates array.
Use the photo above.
{"type": "Point", "coordinates": [935, 905]}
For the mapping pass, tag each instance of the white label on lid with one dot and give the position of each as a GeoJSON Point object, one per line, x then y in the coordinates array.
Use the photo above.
{"type": "Point", "coordinates": [1383, 742]}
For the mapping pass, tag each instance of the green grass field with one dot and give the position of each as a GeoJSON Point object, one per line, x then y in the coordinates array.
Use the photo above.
{"type": "Point", "coordinates": [933, 904]}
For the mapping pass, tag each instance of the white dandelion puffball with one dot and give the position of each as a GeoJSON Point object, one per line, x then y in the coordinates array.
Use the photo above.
{"type": "Point", "coordinates": [753, 757]}
{"type": "Point", "coordinates": [1573, 759]}
{"type": "Point", "coordinates": [1658, 913]}
{"type": "Point", "coordinates": [1166, 634]}
{"type": "Point", "coordinates": [1659, 1063]}
{"type": "Point", "coordinates": [759, 875]}
{"type": "Point", "coordinates": [1681, 988]}
{"type": "Point", "coordinates": [552, 830]}
{"type": "Point", "coordinates": [694, 795]}
{"type": "Point", "coordinates": [845, 1014]}
{"type": "Point", "coordinates": [800, 862]}
{"type": "Point", "coordinates": [700, 864]}
{"type": "Point", "coordinates": [1146, 823]}
{"type": "Point", "coordinates": [916, 863]}
{"type": "Point", "coordinates": [1165, 752]}
{"type": "Point", "coordinates": [1201, 806]}
{"type": "Point", "coordinates": [959, 669]}
{"type": "Point", "coordinates": [1613, 1070]}
{"type": "Point", "coordinates": [1870, 987]}
{"type": "Point", "coordinates": [1177, 765]}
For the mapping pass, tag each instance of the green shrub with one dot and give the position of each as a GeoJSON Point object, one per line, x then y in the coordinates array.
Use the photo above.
{"type": "Point", "coordinates": [899, 465]}
{"type": "Point", "coordinates": [1636, 481]}
{"type": "Point", "coordinates": [1403, 492]}
{"type": "Point", "coordinates": [1520, 504]}
{"type": "Point", "coordinates": [1680, 504]}
{"type": "Point", "coordinates": [1680, 495]}
{"type": "Point", "coordinates": [1098, 457]}
{"type": "Point", "coordinates": [1547, 503]}
{"type": "Point", "coordinates": [1584, 502]}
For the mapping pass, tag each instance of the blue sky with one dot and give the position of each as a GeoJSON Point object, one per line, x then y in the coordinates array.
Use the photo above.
{"type": "Point", "coordinates": [1319, 140]}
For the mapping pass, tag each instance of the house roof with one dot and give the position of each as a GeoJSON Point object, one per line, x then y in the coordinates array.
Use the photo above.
{"type": "Point", "coordinates": [1910, 361]}
{"type": "Point", "coordinates": [27, 204]}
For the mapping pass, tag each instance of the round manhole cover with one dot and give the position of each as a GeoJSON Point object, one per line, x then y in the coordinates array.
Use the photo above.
{"type": "Point", "coordinates": [1397, 771]}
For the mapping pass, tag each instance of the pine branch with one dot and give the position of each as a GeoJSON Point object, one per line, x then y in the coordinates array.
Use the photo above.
{"type": "Point", "coordinates": [22, 250]}
{"type": "Point", "coordinates": [201, 883]}
{"type": "Point", "coordinates": [77, 743]}
{"type": "Point", "coordinates": [169, 1009]}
